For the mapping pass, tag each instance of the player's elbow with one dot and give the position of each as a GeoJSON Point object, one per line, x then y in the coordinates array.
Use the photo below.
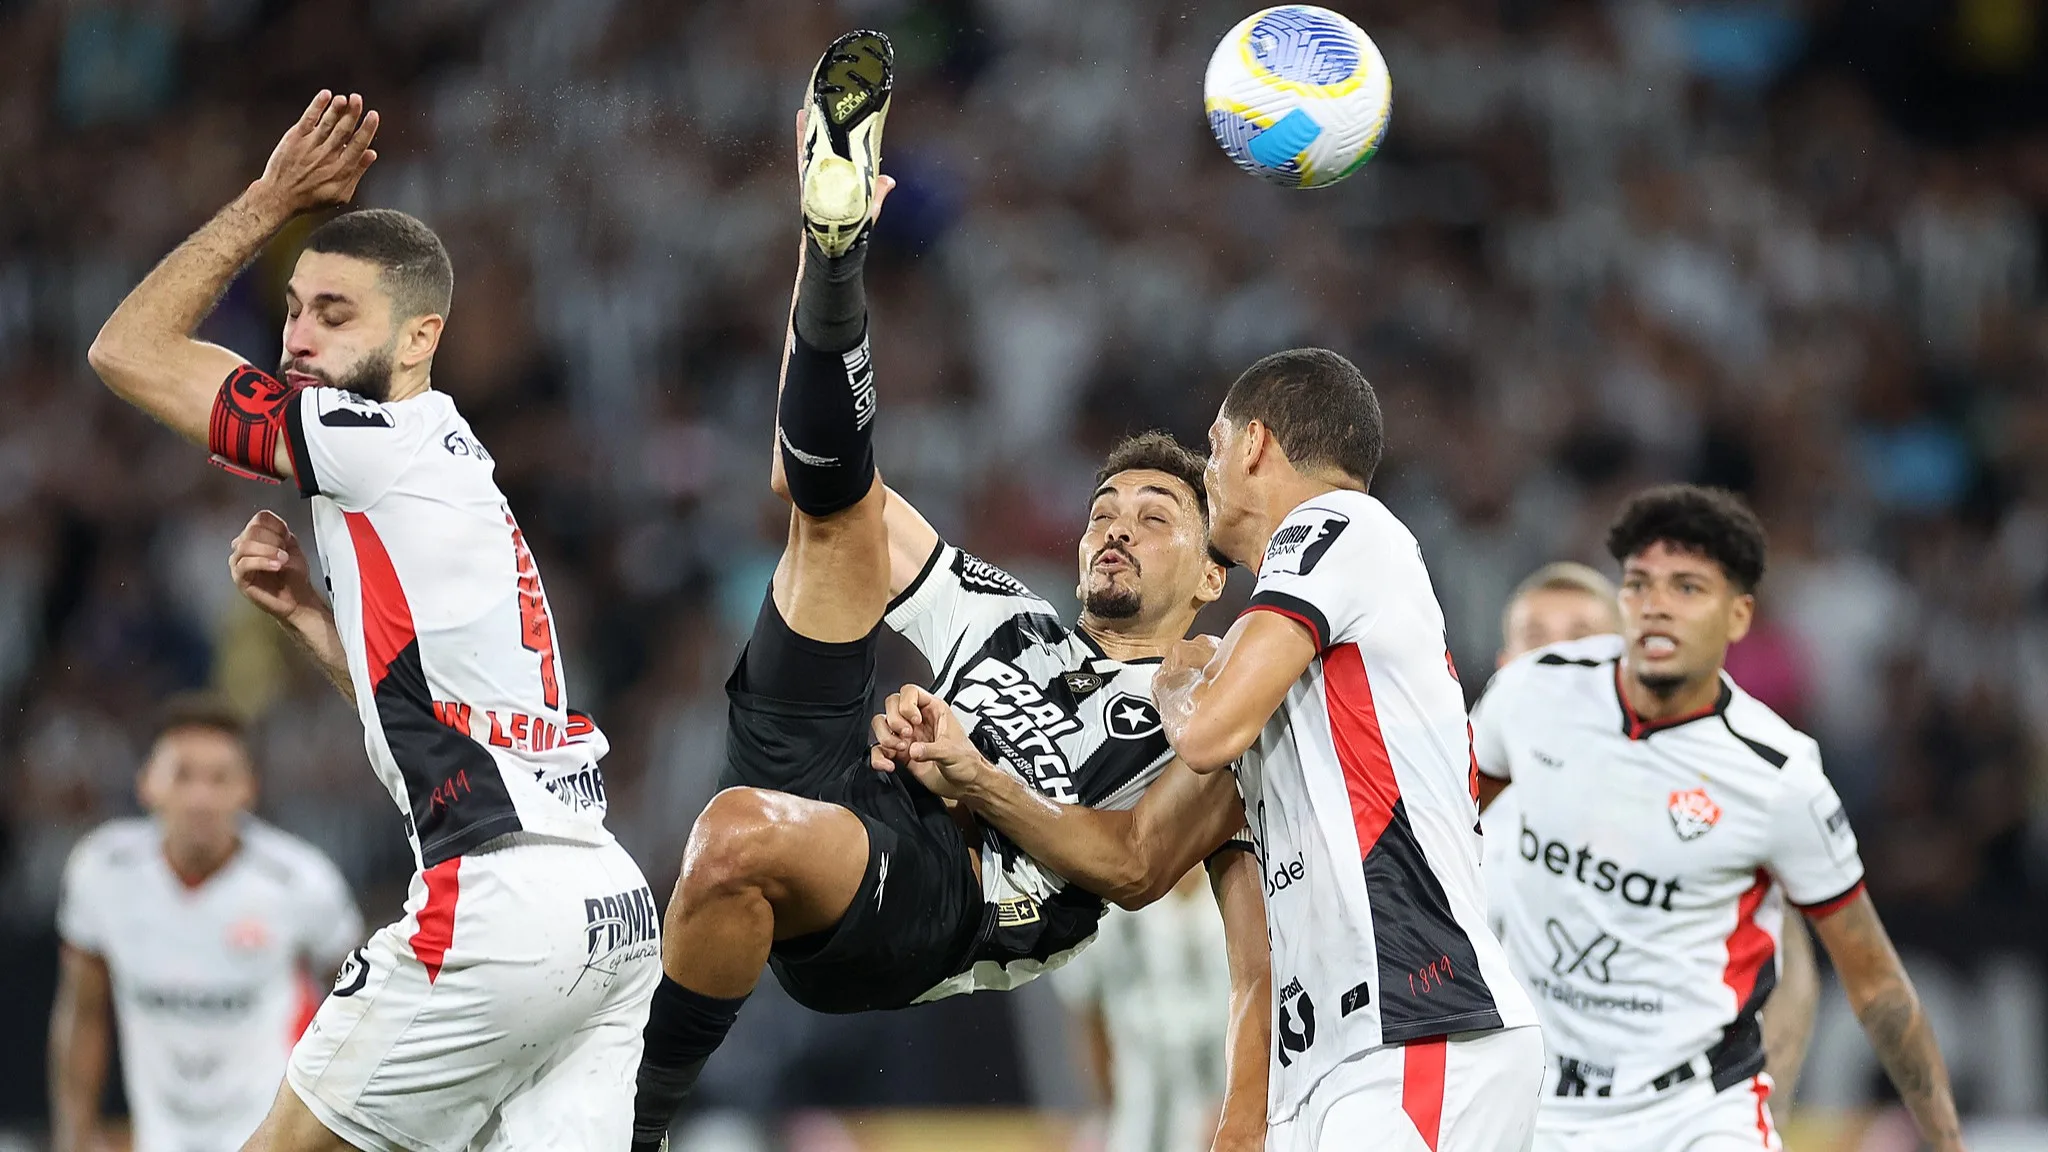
{"type": "Point", "coordinates": [1206, 749]}
{"type": "Point", "coordinates": [115, 361]}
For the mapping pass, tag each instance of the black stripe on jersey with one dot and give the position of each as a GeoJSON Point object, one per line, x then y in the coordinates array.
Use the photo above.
{"type": "Point", "coordinates": [1555, 660]}
{"type": "Point", "coordinates": [1301, 610]}
{"type": "Point", "coordinates": [1772, 756]}
{"type": "Point", "coordinates": [923, 574]}
{"type": "Point", "coordinates": [1028, 929]}
{"type": "Point", "coordinates": [1429, 978]}
{"type": "Point", "coordinates": [456, 796]}
{"type": "Point", "coordinates": [1740, 1052]}
{"type": "Point", "coordinates": [1009, 640]}
{"type": "Point", "coordinates": [946, 669]}
{"type": "Point", "coordinates": [302, 457]}
{"type": "Point", "coordinates": [1115, 763]}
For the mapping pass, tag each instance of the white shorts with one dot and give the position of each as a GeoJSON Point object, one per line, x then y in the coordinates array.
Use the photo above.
{"type": "Point", "coordinates": [503, 1011]}
{"type": "Point", "coordinates": [1690, 1118]}
{"type": "Point", "coordinates": [1474, 1092]}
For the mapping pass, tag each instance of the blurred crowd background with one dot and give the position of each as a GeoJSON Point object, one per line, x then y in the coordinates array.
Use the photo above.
{"type": "Point", "coordinates": [1794, 247]}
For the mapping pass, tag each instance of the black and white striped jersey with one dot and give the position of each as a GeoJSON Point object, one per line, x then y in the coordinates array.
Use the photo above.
{"type": "Point", "coordinates": [1043, 702]}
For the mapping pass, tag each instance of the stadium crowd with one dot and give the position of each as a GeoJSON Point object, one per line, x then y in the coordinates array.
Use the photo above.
{"type": "Point", "coordinates": [1605, 245]}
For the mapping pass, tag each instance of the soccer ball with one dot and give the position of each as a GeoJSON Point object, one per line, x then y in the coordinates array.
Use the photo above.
{"type": "Point", "coordinates": [1298, 95]}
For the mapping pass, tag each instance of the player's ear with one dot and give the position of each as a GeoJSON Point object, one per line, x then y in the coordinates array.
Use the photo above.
{"type": "Point", "coordinates": [1214, 576]}
{"type": "Point", "coordinates": [1741, 615]}
{"type": "Point", "coordinates": [418, 340]}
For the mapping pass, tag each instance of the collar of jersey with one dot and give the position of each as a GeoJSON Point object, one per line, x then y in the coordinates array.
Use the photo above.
{"type": "Point", "coordinates": [1636, 728]}
{"type": "Point", "coordinates": [1101, 655]}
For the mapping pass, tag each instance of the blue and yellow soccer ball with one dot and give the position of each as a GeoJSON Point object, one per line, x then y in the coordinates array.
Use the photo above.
{"type": "Point", "coordinates": [1298, 95]}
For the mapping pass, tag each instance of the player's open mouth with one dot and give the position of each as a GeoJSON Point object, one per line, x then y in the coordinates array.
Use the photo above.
{"type": "Point", "coordinates": [1658, 646]}
{"type": "Point", "coordinates": [1113, 561]}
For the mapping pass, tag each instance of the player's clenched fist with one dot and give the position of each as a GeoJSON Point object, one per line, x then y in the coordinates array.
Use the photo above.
{"type": "Point", "coordinates": [270, 568]}
{"type": "Point", "coordinates": [323, 157]}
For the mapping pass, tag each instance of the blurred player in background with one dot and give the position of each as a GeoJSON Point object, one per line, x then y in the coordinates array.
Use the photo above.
{"type": "Point", "coordinates": [1665, 817]}
{"type": "Point", "coordinates": [197, 931]}
{"type": "Point", "coordinates": [504, 1008]}
{"type": "Point", "coordinates": [864, 889]}
{"type": "Point", "coordinates": [1395, 1012]}
{"type": "Point", "coordinates": [1151, 1001]}
{"type": "Point", "coordinates": [1570, 601]}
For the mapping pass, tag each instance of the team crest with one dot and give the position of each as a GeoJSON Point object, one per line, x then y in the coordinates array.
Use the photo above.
{"type": "Point", "coordinates": [1693, 813]}
{"type": "Point", "coordinates": [1130, 717]}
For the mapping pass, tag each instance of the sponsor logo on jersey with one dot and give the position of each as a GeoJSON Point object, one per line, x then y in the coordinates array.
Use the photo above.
{"type": "Point", "coordinates": [1571, 957]}
{"type": "Point", "coordinates": [196, 1001]}
{"type": "Point", "coordinates": [1296, 1030]}
{"type": "Point", "coordinates": [1016, 723]}
{"type": "Point", "coordinates": [460, 443]}
{"type": "Point", "coordinates": [1693, 813]}
{"type": "Point", "coordinates": [355, 972]}
{"type": "Point", "coordinates": [978, 575]}
{"type": "Point", "coordinates": [1129, 717]}
{"type": "Point", "coordinates": [1579, 1000]}
{"type": "Point", "coordinates": [1297, 548]}
{"type": "Point", "coordinates": [249, 935]}
{"type": "Point", "coordinates": [348, 410]}
{"type": "Point", "coordinates": [1602, 875]}
{"type": "Point", "coordinates": [1285, 874]}
{"type": "Point", "coordinates": [1575, 1076]}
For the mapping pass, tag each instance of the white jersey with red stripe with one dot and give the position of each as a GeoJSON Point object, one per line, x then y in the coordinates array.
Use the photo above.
{"type": "Point", "coordinates": [211, 982]}
{"type": "Point", "coordinates": [1362, 804]}
{"type": "Point", "coordinates": [450, 643]}
{"type": "Point", "coordinates": [1642, 893]}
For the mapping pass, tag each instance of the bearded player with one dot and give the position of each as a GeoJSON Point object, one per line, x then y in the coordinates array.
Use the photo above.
{"type": "Point", "coordinates": [1665, 819]}
{"type": "Point", "coordinates": [1570, 601]}
{"type": "Point", "coordinates": [504, 1009]}
{"type": "Point", "coordinates": [864, 889]}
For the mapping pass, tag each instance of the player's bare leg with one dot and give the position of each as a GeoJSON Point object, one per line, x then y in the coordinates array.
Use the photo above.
{"type": "Point", "coordinates": [762, 866]}
{"type": "Point", "coordinates": [292, 1127]}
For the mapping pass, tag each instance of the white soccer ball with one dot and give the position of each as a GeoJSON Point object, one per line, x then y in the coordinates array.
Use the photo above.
{"type": "Point", "coordinates": [1298, 95]}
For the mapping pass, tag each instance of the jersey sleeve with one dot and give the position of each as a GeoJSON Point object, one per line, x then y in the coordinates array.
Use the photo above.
{"type": "Point", "coordinates": [1313, 574]}
{"type": "Point", "coordinates": [1489, 725]}
{"type": "Point", "coordinates": [349, 448]}
{"type": "Point", "coordinates": [1813, 849]}
{"type": "Point", "coordinates": [80, 903]}
{"type": "Point", "coordinates": [956, 604]}
{"type": "Point", "coordinates": [332, 924]}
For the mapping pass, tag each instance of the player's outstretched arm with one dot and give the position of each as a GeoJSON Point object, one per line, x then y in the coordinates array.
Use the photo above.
{"type": "Point", "coordinates": [1215, 698]}
{"type": "Point", "coordinates": [1234, 877]}
{"type": "Point", "coordinates": [1130, 858]}
{"type": "Point", "coordinates": [146, 351]}
{"type": "Point", "coordinates": [270, 568]}
{"type": "Point", "coordinates": [1788, 1016]}
{"type": "Point", "coordinates": [81, 1023]}
{"type": "Point", "coordinates": [1889, 1010]}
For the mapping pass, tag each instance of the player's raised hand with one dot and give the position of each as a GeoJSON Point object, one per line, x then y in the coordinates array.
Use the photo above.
{"type": "Point", "coordinates": [270, 568]}
{"type": "Point", "coordinates": [323, 157]}
{"type": "Point", "coordinates": [920, 732]}
{"type": "Point", "coordinates": [1190, 655]}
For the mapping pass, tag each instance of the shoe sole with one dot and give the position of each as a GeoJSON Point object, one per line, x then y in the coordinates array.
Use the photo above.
{"type": "Point", "coordinates": [851, 84]}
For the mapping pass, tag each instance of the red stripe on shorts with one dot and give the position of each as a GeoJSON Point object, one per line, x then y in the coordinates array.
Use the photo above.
{"type": "Point", "coordinates": [1763, 1115]}
{"type": "Point", "coordinates": [437, 918]}
{"type": "Point", "coordinates": [1422, 1086]}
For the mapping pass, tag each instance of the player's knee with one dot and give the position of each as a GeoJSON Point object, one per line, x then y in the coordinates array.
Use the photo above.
{"type": "Point", "coordinates": [742, 841]}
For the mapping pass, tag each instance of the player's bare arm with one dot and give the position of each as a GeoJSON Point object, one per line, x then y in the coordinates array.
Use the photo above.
{"type": "Point", "coordinates": [912, 540]}
{"type": "Point", "coordinates": [1234, 878]}
{"type": "Point", "coordinates": [146, 351]}
{"type": "Point", "coordinates": [1889, 1010]}
{"type": "Point", "coordinates": [1215, 698]}
{"type": "Point", "coordinates": [1131, 858]}
{"type": "Point", "coordinates": [81, 1025]}
{"type": "Point", "coordinates": [270, 568]}
{"type": "Point", "coordinates": [1788, 1016]}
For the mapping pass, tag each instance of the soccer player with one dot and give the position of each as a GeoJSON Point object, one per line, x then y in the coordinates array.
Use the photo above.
{"type": "Point", "coordinates": [199, 929]}
{"type": "Point", "coordinates": [1394, 1008]}
{"type": "Point", "coordinates": [505, 1007]}
{"type": "Point", "coordinates": [1570, 601]}
{"type": "Point", "coordinates": [862, 889]}
{"type": "Point", "coordinates": [1665, 816]}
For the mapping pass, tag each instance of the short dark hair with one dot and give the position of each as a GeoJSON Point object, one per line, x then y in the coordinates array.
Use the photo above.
{"type": "Point", "coordinates": [1713, 522]}
{"type": "Point", "coordinates": [412, 262]}
{"type": "Point", "coordinates": [209, 711]}
{"type": "Point", "coordinates": [1320, 407]}
{"type": "Point", "coordinates": [1158, 452]}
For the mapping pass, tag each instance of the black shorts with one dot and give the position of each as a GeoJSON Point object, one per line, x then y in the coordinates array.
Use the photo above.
{"type": "Point", "coordinates": [798, 723]}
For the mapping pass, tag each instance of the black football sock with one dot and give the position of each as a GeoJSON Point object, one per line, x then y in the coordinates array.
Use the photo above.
{"type": "Point", "coordinates": [683, 1029]}
{"type": "Point", "coordinates": [832, 298]}
{"type": "Point", "coordinates": [826, 424]}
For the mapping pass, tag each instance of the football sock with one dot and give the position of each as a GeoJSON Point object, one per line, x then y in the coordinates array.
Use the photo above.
{"type": "Point", "coordinates": [825, 418]}
{"type": "Point", "coordinates": [683, 1029]}
{"type": "Point", "coordinates": [831, 298]}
